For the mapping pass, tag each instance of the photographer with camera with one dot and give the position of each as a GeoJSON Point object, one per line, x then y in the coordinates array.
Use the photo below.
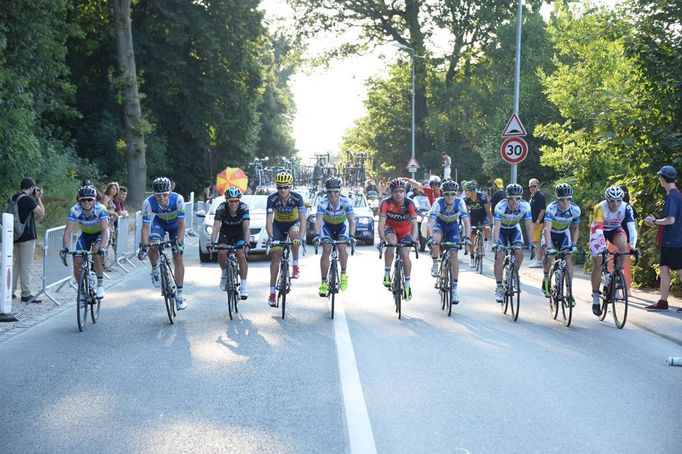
{"type": "Point", "coordinates": [29, 205]}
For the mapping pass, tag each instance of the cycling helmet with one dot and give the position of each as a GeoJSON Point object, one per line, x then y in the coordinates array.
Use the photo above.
{"type": "Point", "coordinates": [514, 190]}
{"type": "Point", "coordinates": [233, 193]}
{"type": "Point", "coordinates": [614, 193]}
{"type": "Point", "coordinates": [435, 179]}
{"type": "Point", "coordinates": [332, 183]}
{"type": "Point", "coordinates": [397, 183]}
{"type": "Point", "coordinates": [284, 178]}
{"type": "Point", "coordinates": [563, 190]}
{"type": "Point", "coordinates": [470, 186]}
{"type": "Point", "coordinates": [87, 192]}
{"type": "Point", "coordinates": [449, 186]}
{"type": "Point", "coordinates": [161, 185]}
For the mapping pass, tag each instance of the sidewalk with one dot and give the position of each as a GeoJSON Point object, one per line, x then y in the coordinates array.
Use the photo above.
{"type": "Point", "coordinates": [666, 324]}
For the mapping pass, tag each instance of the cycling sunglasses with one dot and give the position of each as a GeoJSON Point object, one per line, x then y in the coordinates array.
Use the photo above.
{"type": "Point", "coordinates": [233, 200]}
{"type": "Point", "coordinates": [449, 194]}
{"type": "Point", "coordinates": [280, 188]}
{"type": "Point", "coordinates": [564, 199]}
{"type": "Point", "coordinates": [333, 191]}
{"type": "Point", "coordinates": [86, 200]}
{"type": "Point", "coordinates": [514, 197]}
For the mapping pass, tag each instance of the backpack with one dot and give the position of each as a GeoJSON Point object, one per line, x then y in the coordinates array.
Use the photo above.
{"type": "Point", "coordinates": [12, 208]}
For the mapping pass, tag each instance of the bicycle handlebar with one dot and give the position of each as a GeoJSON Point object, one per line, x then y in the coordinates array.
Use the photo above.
{"type": "Point", "coordinates": [79, 252]}
{"type": "Point", "coordinates": [635, 253]}
{"type": "Point", "coordinates": [398, 246]}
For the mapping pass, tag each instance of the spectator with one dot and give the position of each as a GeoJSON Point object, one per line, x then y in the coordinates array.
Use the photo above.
{"type": "Point", "coordinates": [107, 200]}
{"type": "Point", "coordinates": [30, 205]}
{"type": "Point", "coordinates": [669, 234]}
{"type": "Point", "coordinates": [120, 201]}
{"type": "Point", "coordinates": [209, 191]}
{"type": "Point", "coordinates": [447, 162]}
{"type": "Point", "coordinates": [635, 215]}
{"type": "Point", "coordinates": [538, 204]}
{"type": "Point", "coordinates": [498, 193]}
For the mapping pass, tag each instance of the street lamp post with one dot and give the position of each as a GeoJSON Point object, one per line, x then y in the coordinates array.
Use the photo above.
{"type": "Point", "coordinates": [411, 51]}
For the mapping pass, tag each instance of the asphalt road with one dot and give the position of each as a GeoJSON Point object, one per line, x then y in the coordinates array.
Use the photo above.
{"type": "Point", "coordinates": [473, 382]}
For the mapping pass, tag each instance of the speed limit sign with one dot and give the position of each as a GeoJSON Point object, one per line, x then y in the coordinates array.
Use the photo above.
{"type": "Point", "coordinates": [514, 150]}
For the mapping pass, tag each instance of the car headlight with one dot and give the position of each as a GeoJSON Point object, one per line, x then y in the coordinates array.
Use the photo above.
{"type": "Point", "coordinates": [209, 229]}
{"type": "Point", "coordinates": [364, 221]}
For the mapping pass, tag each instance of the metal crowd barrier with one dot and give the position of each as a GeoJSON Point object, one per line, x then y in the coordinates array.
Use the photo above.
{"type": "Point", "coordinates": [54, 271]}
{"type": "Point", "coordinates": [122, 243]}
{"type": "Point", "coordinates": [189, 216]}
{"type": "Point", "coordinates": [138, 230]}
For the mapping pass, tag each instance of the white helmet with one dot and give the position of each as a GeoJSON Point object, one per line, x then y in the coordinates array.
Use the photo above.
{"type": "Point", "coordinates": [614, 193]}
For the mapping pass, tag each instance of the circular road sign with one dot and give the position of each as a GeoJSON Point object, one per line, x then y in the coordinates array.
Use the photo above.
{"type": "Point", "coordinates": [514, 150]}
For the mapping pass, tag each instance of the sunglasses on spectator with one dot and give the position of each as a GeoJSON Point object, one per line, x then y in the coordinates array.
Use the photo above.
{"type": "Point", "coordinates": [86, 200]}
{"type": "Point", "coordinates": [280, 188]}
{"type": "Point", "coordinates": [449, 194]}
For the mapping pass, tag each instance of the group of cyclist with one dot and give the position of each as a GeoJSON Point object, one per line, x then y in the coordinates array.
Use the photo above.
{"type": "Point", "coordinates": [453, 214]}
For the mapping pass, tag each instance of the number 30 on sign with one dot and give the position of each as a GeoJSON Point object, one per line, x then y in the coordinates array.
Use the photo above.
{"type": "Point", "coordinates": [514, 150]}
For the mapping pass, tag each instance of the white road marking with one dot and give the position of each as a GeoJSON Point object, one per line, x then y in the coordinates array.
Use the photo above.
{"type": "Point", "coordinates": [357, 419]}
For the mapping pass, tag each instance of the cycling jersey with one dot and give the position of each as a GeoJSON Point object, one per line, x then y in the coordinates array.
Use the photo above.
{"type": "Point", "coordinates": [444, 215]}
{"type": "Point", "coordinates": [287, 211]}
{"type": "Point", "coordinates": [89, 222]}
{"type": "Point", "coordinates": [606, 225]}
{"type": "Point", "coordinates": [562, 219]}
{"type": "Point", "coordinates": [167, 217]}
{"type": "Point", "coordinates": [509, 218]}
{"type": "Point", "coordinates": [231, 226]}
{"type": "Point", "coordinates": [335, 215]}
{"type": "Point", "coordinates": [398, 217]}
{"type": "Point", "coordinates": [477, 211]}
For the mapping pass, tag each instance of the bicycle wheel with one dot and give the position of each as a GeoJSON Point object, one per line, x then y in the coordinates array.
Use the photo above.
{"type": "Point", "coordinates": [567, 302]}
{"type": "Point", "coordinates": [333, 283]}
{"type": "Point", "coordinates": [166, 289]}
{"type": "Point", "coordinates": [397, 291]}
{"type": "Point", "coordinates": [506, 283]}
{"type": "Point", "coordinates": [446, 288]}
{"type": "Point", "coordinates": [94, 306]}
{"type": "Point", "coordinates": [82, 300]}
{"type": "Point", "coordinates": [515, 296]}
{"type": "Point", "coordinates": [480, 253]}
{"type": "Point", "coordinates": [283, 280]}
{"type": "Point", "coordinates": [442, 284]}
{"type": "Point", "coordinates": [620, 299]}
{"type": "Point", "coordinates": [230, 289]}
{"type": "Point", "coordinates": [555, 292]}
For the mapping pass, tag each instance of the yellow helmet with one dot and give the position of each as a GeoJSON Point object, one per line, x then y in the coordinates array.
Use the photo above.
{"type": "Point", "coordinates": [284, 178]}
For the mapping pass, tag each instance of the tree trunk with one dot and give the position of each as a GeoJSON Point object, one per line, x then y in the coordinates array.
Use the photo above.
{"type": "Point", "coordinates": [135, 147]}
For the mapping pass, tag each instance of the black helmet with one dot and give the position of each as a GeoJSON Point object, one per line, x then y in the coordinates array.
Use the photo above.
{"type": "Point", "coordinates": [563, 190]}
{"type": "Point", "coordinates": [397, 183]}
{"type": "Point", "coordinates": [514, 190]}
{"type": "Point", "coordinates": [161, 185]}
{"type": "Point", "coordinates": [87, 192]}
{"type": "Point", "coordinates": [449, 186]}
{"type": "Point", "coordinates": [332, 183]}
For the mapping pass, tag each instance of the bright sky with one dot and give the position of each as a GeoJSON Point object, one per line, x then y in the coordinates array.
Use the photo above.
{"type": "Point", "coordinates": [329, 100]}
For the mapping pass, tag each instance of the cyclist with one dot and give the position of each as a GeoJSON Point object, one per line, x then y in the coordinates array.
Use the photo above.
{"type": "Point", "coordinates": [480, 214]}
{"type": "Point", "coordinates": [397, 222]}
{"type": "Point", "coordinates": [232, 222]}
{"type": "Point", "coordinates": [444, 219]}
{"type": "Point", "coordinates": [167, 209]}
{"type": "Point", "coordinates": [94, 224]}
{"type": "Point", "coordinates": [509, 213]}
{"type": "Point", "coordinates": [334, 221]}
{"type": "Point", "coordinates": [607, 217]}
{"type": "Point", "coordinates": [286, 216]}
{"type": "Point", "coordinates": [561, 230]}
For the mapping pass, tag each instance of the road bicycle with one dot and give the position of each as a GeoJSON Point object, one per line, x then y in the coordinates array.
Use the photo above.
{"type": "Point", "coordinates": [232, 282]}
{"type": "Point", "coordinates": [398, 278]}
{"type": "Point", "coordinates": [87, 286]}
{"type": "Point", "coordinates": [560, 287]}
{"type": "Point", "coordinates": [510, 281]}
{"type": "Point", "coordinates": [615, 291]}
{"type": "Point", "coordinates": [444, 279]}
{"type": "Point", "coordinates": [479, 250]}
{"type": "Point", "coordinates": [283, 285]}
{"type": "Point", "coordinates": [333, 276]}
{"type": "Point", "coordinates": [168, 287]}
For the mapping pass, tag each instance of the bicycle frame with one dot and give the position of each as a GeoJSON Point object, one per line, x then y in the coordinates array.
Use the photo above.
{"type": "Point", "coordinates": [615, 291]}
{"type": "Point", "coordinates": [398, 278]}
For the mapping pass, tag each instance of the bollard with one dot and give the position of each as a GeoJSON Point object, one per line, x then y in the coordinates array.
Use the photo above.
{"type": "Point", "coordinates": [7, 264]}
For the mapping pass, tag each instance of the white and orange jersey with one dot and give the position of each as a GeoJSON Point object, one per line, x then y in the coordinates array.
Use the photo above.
{"type": "Point", "coordinates": [606, 221]}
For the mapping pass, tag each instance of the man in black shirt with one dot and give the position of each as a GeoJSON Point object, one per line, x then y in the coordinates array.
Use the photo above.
{"type": "Point", "coordinates": [538, 204]}
{"type": "Point", "coordinates": [30, 205]}
{"type": "Point", "coordinates": [498, 193]}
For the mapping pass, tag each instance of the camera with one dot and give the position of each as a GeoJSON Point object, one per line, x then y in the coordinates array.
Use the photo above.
{"type": "Point", "coordinates": [38, 190]}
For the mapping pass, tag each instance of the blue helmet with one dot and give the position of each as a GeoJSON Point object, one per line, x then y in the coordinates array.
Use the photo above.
{"type": "Point", "coordinates": [233, 193]}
